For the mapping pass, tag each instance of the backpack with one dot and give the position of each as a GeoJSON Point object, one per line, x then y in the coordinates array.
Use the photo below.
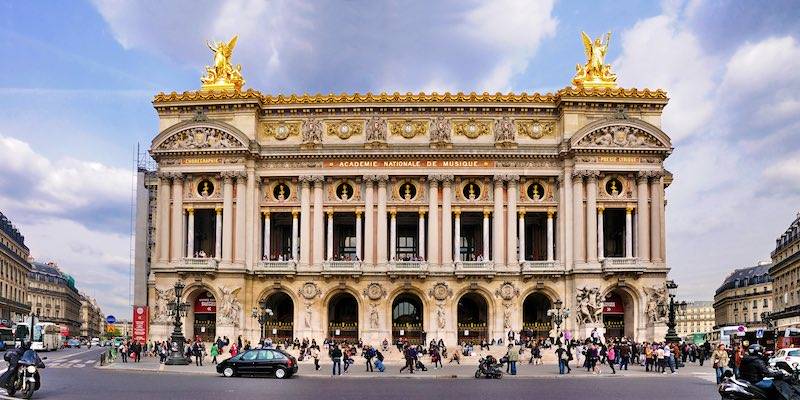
{"type": "Point", "coordinates": [380, 356]}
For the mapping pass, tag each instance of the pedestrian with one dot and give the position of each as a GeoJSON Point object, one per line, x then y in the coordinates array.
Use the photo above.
{"type": "Point", "coordinates": [197, 350]}
{"type": "Point", "coordinates": [336, 357]}
{"type": "Point", "coordinates": [436, 358]}
{"type": "Point", "coordinates": [410, 356]}
{"type": "Point", "coordinates": [513, 357]}
{"type": "Point", "coordinates": [369, 353]}
{"type": "Point", "coordinates": [720, 361]}
{"type": "Point", "coordinates": [234, 350]}
{"type": "Point", "coordinates": [379, 361]}
{"type": "Point", "coordinates": [561, 355]}
{"type": "Point", "coordinates": [214, 353]}
{"type": "Point", "coordinates": [315, 356]}
{"type": "Point", "coordinates": [123, 351]}
{"type": "Point", "coordinates": [611, 356]}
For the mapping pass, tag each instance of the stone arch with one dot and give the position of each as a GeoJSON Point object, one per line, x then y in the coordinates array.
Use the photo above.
{"type": "Point", "coordinates": [157, 145]}
{"type": "Point", "coordinates": [634, 316]}
{"type": "Point", "coordinates": [191, 293]}
{"type": "Point", "coordinates": [533, 325]}
{"type": "Point", "coordinates": [396, 293]}
{"type": "Point", "coordinates": [266, 293]}
{"type": "Point", "coordinates": [492, 331]}
{"type": "Point", "coordinates": [331, 295]}
{"type": "Point", "coordinates": [654, 137]}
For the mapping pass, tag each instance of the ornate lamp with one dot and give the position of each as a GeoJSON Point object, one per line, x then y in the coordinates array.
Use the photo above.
{"type": "Point", "coordinates": [672, 336]}
{"type": "Point", "coordinates": [177, 309]}
{"type": "Point", "coordinates": [262, 314]}
{"type": "Point", "coordinates": [558, 315]}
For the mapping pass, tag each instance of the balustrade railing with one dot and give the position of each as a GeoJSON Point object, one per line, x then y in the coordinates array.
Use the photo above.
{"type": "Point", "coordinates": [266, 266]}
{"type": "Point", "coordinates": [541, 266]}
{"type": "Point", "coordinates": [199, 263]}
{"type": "Point", "coordinates": [341, 266]}
{"type": "Point", "coordinates": [408, 266]}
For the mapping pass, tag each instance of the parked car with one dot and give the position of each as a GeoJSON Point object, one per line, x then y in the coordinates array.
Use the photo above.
{"type": "Point", "coordinates": [74, 343]}
{"type": "Point", "coordinates": [259, 362]}
{"type": "Point", "coordinates": [790, 356]}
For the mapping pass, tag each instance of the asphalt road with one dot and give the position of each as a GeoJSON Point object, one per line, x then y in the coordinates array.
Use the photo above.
{"type": "Point", "coordinates": [70, 375]}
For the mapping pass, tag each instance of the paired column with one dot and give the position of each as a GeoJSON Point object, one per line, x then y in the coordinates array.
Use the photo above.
{"type": "Point", "coordinates": [381, 225]}
{"type": "Point", "coordinates": [227, 217]}
{"type": "Point", "coordinates": [295, 213]}
{"type": "Point", "coordinates": [218, 234]}
{"type": "Point", "coordinates": [565, 217]}
{"type": "Point", "coordinates": [433, 222]}
{"type": "Point", "coordinates": [393, 234]}
{"type": "Point", "coordinates": [177, 217]}
{"type": "Point", "coordinates": [305, 220]}
{"type": "Point", "coordinates": [497, 222]}
{"type": "Point", "coordinates": [628, 232]}
{"type": "Point", "coordinates": [164, 188]}
{"type": "Point", "coordinates": [369, 221]}
{"type": "Point", "coordinates": [241, 216]}
{"type": "Point", "coordinates": [447, 221]}
{"type": "Point", "coordinates": [358, 234]}
{"type": "Point", "coordinates": [457, 234]}
{"type": "Point", "coordinates": [521, 230]}
{"type": "Point", "coordinates": [600, 245]}
{"type": "Point", "coordinates": [329, 241]}
{"type": "Point", "coordinates": [578, 246]}
{"type": "Point", "coordinates": [267, 239]}
{"type": "Point", "coordinates": [550, 213]}
{"type": "Point", "coordinates": [421, 226]}
{"type": "Point", "coordinates": [190, 233]}
{"type": "Point", "coordinates": [656, 202]}
{"type": "Point", "coordinates": [511, 225]}
{"type": "Point", "coordinates": [486, 213]}
{"type": "Point", "coordinates": [591, 216]}
{"type": "Point", "coordinates": [319, 222]}
{"type": "Point", "coordinates": [642, 218]}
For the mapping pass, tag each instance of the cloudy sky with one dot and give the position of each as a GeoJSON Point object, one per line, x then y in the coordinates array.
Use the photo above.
{"type": "Point", "coordinates": [77, 79]}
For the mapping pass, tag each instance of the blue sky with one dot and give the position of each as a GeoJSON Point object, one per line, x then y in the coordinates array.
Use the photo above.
{"type": "Point", "coordinates": [77, 79]}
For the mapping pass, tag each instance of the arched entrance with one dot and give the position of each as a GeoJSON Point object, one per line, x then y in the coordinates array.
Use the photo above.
{"type": "Point", "coordinates": [343, 317]}
{"type": "Point", "coordinates": [535, 322]}
{"type": "Point", "coordinates": [204, 316]}
{"type": "Point", "coordinates": [618, 315]}
{"type": "Point", "coordinates": [407, 319]}
{"type": "Point", "coordinates": [280, 326]}
{"type": "Point", "coordinates": [473, 318]}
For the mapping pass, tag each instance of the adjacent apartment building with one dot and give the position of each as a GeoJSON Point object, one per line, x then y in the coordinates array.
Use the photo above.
{"type": "Point", "coordinates": [699, 318]}
{"type": "Point", "coordinates": [14, 270]}
{"type": "Point", "coordinates": [744, 296]}
{"type": "Point", "coordinates": [54, 298]}
{"type": "Point", "coordinates": [92, 321]}
{"type": "Point", "coordinates": [785, 271]}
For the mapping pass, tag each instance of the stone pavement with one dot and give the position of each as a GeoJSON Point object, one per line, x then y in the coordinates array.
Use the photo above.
{"type": "Point", "coordinates": [465, 370]}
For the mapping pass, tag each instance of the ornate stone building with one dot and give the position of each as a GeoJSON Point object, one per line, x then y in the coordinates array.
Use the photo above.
{"type": "Point", "coordinates": [454, 216]}
{"type": "Point", "coordinates": [744, 296]}
{"type": "Point", "coordinates": [14, 270]}
{"type": "Point", "coordinates": [54, 298]}
{"type": "Point", "coordinates": [785, 272]}
{"type": "Point", "coordinates": [699, 318]}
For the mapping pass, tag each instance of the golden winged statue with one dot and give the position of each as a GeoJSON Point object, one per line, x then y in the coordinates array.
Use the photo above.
{"type": "Point", "coordinates": [223, 75]}
{"type": "Point", "coordinates": [596, 73]}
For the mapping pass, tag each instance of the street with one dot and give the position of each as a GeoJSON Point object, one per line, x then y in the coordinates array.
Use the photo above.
{"type": "Point", "coordinates": [70, 374]}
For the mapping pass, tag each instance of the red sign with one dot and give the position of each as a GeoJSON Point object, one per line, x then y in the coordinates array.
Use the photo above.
{"type": "Point", "coordinates": [140, 323]}
{"type": "Point", "coordinates": [205, 305]}
{"type": "Point", "coordinates": [613, 305]}
{"type": "Point", "coordinates": [64, 330]}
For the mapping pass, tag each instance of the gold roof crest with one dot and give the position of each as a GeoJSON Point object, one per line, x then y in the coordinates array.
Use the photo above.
{"type": "Point", "coordinates": [222, 75]}
{"type": "Point", "coordinates": [596, 73]}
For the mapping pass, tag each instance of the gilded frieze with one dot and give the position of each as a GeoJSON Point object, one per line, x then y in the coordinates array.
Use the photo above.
{"type": "Point", "coordinates": [344, 129]}
{"type": "Point", "coordinates": [280, 130]}
{"type": "Point", "coordinates": [535, 129]}
{"type": "Point", "coordinates": [408, 128]}
{"type": "Point", "coordinates": [472, 128]}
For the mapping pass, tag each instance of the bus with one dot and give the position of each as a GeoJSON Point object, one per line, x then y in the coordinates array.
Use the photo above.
{"type": "Point", "coordinates": [6, 338]}
{"type": "Point", "coordinates": [46, 336]}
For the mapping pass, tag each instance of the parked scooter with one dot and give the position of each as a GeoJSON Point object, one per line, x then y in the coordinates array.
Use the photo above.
{"type": "Point", "coordinates": [786, 385]}
{"type": "Point", "coordinates": [489, 368]}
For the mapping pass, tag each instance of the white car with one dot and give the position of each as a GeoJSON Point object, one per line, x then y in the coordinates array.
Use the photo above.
{"type": "Point", "coordinates": [790, 356]}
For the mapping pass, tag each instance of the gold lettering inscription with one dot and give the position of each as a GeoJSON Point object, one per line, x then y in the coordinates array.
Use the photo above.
{"type": "Point", "coordinates": [411, 164]}
{"type": "Point", "coordinates": [201, 161]}
{"type": "Point", "coordinates": [619, 159]}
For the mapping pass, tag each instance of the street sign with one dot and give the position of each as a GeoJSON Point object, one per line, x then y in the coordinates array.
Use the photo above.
{"type": "Point", "coordinates": [759, 333]}
{"type": "Point", "coordinates": [111, 319]}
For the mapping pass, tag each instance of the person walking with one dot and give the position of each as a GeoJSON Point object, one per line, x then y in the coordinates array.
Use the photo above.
{"type": "Point", "coordinates": [513, 357]}
{"type": "Point", "coordinates": [123, 351]}
{"type": "Point", "coordinates": [336, 357]}
{"type": "Point", "coordinates": [561, 354]}
{"type": "Point", "coordinates": [611, 356]}
{"type": "Point", "coordinates": [719, 361]}
{"type": "Point", "coordinates": [214, 353]}
{"type": "Point", "coordinates": [369, 354]}
{"type": "Point", "coordinates": [410, 356]}
{"type": "Point", "coordinates": [315, 355]}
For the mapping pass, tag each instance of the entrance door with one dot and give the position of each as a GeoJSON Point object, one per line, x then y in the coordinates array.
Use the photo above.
{"type": "Point", "coordinates": [280, 326]}
{"type": "Point", "coordinates": [473, 317]}
{"type": "Point", "coordinates": [407, 319]}
{"type": "Point", "coordinates": [343, 318]}
{"type": "Point", "coordinates": [535, 322]}
{"type": "Point", "coordinates": [205, 317]}
{"type": "Point", "coordinates": [614, 316]}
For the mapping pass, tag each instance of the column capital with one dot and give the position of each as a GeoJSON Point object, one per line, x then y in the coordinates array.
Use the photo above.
{"type": "Point", "coordinates": [628, 209]}
{"type": "Point", "coordinates": [393, 211]}
{"type": "Point", "coordinates": [422, 211]}
{"type": "Point", "coordinates": [447, 180]}
{"type": "Point", "coordinates": [227, 176]}
{"type": "Point", "coordinates": [265, 212]}
{"type": "Point", "coordinates": [218, 209]}
{"type": "Point", "coordinates": [521, 212]}
{"type": "Point", "coordinates": [240, 175]}
{"type": "Point", "coordinates": [190, 210]}
{"type": "Point", "coordinates": [550, 212]}
{"type": "Point", "coordinates": [382, 180]}
{"type": "Point", "coordinates": [369, 178]}
{"type": "Point", "coordinates": [487, 212]}
{"type": "Point", "coordinates": [512, 179]}
{"type": "Point", "coordinates": [579, 174]}
{"type": "Point", "coordinates": [295, 212]}
{"type": "Point", "coordinates": [318, 180]}
{"type": "Point", "coordinates": [499, 179]}
{"type": "Point", "coordinates": [600, 209]}
{"type": "Point", "coordinates": [642, 177]}
{"type": "Point", "coordinates": [592, 175]}
{"type": "Point", "coordinates": [457, 211]}
{"type": "Point", "coordinates": [329, 211]}
{"type": "Point", "coordinates": [358, 212]}
{"type": "Point", "coordinates": [434, 179]}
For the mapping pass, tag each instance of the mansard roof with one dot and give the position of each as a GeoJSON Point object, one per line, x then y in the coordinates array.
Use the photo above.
{"type": "Point", "coordinates": [744, 277]}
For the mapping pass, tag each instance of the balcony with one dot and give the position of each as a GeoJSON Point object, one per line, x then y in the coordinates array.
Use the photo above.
{"type": "Point", "coordinates": [622, 265]}
{"type": "Point", "coordinates": [265, 267]}
{"type": "Point", "coordinates": [542, 267]}
{"type": "Point", "coordinates": [198, 264]}
{"type": "Point", "coordinates": [341, 267]}
{"type": "Point", "coordinates": [408, 268]}
{"type": "Point", "coordinates": [464, 268]}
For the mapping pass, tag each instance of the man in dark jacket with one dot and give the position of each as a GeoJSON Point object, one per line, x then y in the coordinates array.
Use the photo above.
{"type": "Point", "coordinates": [336, 357]}
{"type": "Point", "coordinates": [753, 369]}
{"type": "Point", "coordinates": [410, 354]}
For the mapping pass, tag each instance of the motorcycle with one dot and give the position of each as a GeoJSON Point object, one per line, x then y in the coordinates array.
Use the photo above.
{"type": "Point", "coordinates": [786, 383]}
{"type": "Point", "coordinates": [22, 374]}
{"type": "Point", "coordinates": [488, 368]}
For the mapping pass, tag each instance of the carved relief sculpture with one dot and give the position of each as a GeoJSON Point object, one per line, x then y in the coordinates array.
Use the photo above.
{"type": "Point", "coordinates": [200, 138]}
{"type": "Point", "coordinates": [373, 316]}
{"type": "Point", "coordinates": [163, 297]}
{"type": "Point", "coordinates": [230, 307]}
{"type": "Point", "coordinates": [307, 316]}
{"type": "Point", "coordinates": [312, 132]}
{"type": "Point", "coordinates": [620, 136]}
{"type": "Point", "coordinates": [376, 131]}
{"type": "Point", "coordinates": [535, 129]}
{"type": "Point", "coordinates": [440, 131]}
{"type": "Point", "coordinates": [656, 296]}
{"type": "Point", "coordinates": [408, 128]}
{"type": "Point", "coordinates": [590, 306]}
{"type": "Point", "coordinates": [441, 319]}
{"type": "Point", "coordinates": [344, 129]}
{"type": "Point", "coordinates": [471, 128]}
{"type": "Point", "coordinates": [505, 133]}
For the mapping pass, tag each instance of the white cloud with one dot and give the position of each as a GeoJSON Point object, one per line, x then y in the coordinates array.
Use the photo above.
{"type": "Point", "coordinates": [785, 174]}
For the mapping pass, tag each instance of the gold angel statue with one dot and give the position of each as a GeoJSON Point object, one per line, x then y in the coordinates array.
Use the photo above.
{"type": "Point", "coordinates": [596, 73]}
{"type": "Point", "coordinates": [223, 75]}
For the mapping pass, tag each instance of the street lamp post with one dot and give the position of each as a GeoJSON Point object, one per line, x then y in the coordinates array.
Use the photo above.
{"type": "Point", "coordinates": [177, 309]}
{"type": "Point", "coordinates": [558, 315]}
{"type": "Point", "coordinates": [679, 308]}
{"type": "Point", "coordinates": [262, 314]}
{"type": "Point", "coordinates": [769, 320]}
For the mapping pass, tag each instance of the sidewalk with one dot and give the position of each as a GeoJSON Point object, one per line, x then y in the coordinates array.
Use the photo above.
{"type": "Point", "coordinates": [452, 371]}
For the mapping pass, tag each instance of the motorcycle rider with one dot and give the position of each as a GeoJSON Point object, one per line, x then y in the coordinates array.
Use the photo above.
{"type": "Point", "coordinates": [753, 369]}
{"type": "Point", "coordinates": [12, 357]}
